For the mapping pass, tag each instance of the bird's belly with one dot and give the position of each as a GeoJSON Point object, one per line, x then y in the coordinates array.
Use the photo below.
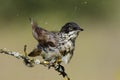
{"type": "Point", "coordinates": [50, 53]}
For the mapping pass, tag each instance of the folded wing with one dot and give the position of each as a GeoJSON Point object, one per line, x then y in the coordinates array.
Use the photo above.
{"type": "Point", "coordinates": [43, 36]}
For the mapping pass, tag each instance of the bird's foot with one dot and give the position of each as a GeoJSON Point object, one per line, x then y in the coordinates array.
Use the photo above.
{"type": "Point", "coordinates": [58, 61]}
{"type": "Point", "coordinates": [54, 62]}
{"type": "Point", "coordinates": [29, 62]}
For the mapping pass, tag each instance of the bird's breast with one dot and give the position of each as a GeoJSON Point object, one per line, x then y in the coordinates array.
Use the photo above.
{"type": "Point", "coordinates": [66, 47]}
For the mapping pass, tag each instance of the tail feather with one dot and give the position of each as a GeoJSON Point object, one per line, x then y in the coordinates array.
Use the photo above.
{"type": "Point", "coordinates": [33, 23]}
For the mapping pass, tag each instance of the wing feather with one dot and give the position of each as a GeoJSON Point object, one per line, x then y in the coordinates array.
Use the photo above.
{"type": "Point", "coordinates": [43, 36]}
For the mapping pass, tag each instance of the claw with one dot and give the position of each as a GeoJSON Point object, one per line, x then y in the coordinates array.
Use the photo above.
{"type": "Point", "coordinates": [28, 62]}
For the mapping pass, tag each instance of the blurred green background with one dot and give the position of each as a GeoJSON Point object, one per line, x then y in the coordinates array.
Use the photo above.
{"type": "Point", "coordinates": [97, 53]}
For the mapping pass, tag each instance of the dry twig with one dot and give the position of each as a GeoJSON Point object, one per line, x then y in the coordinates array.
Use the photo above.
{"type": "Point", "coordinates": [32, 62]}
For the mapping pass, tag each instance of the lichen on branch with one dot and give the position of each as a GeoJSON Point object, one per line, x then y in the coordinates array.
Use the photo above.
{"type": "Point", "coordinates": [32, 62]}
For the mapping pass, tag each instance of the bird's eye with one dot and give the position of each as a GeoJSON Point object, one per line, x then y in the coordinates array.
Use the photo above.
{"type": "Point", "coordinates": [74, 28]}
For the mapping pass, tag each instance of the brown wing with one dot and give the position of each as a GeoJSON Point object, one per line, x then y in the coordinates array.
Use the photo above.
{"type": "Point", "coordinates": [43, 36]}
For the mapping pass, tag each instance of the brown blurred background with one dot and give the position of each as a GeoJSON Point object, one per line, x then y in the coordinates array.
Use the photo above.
{"type": "Point", "coordinates": [97, 53]}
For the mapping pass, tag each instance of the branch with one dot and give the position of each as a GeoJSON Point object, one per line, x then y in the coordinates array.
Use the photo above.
{"type": "Point", "coordinates": [32, 62]}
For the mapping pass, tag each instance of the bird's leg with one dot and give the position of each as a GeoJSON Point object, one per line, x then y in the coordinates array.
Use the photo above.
{"type": "Point", "coordinates": [62, 72]}
{"type": "Point", "coordinates": [27, 60]}
{"type": "Point", "coordinates": [25, 52]}
{"type": "Point", "coordinates": [59, 68]}
{"type": "Point", "coordinates": [30, 62]}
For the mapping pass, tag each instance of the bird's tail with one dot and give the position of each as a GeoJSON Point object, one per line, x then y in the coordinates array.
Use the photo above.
{"type": "Point", "coordinates": [33, 23]}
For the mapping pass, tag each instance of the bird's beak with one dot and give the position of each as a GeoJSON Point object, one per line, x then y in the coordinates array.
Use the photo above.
{"type": "Point", "coordinates": [80, 29]}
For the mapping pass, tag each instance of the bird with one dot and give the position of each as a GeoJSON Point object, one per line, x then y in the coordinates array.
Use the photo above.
{"type": "Point", "coordinates": [55, 46]}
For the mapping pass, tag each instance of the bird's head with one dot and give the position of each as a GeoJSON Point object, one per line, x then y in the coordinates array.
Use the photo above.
{"type": "Point", "coordinates": [72, 29]}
